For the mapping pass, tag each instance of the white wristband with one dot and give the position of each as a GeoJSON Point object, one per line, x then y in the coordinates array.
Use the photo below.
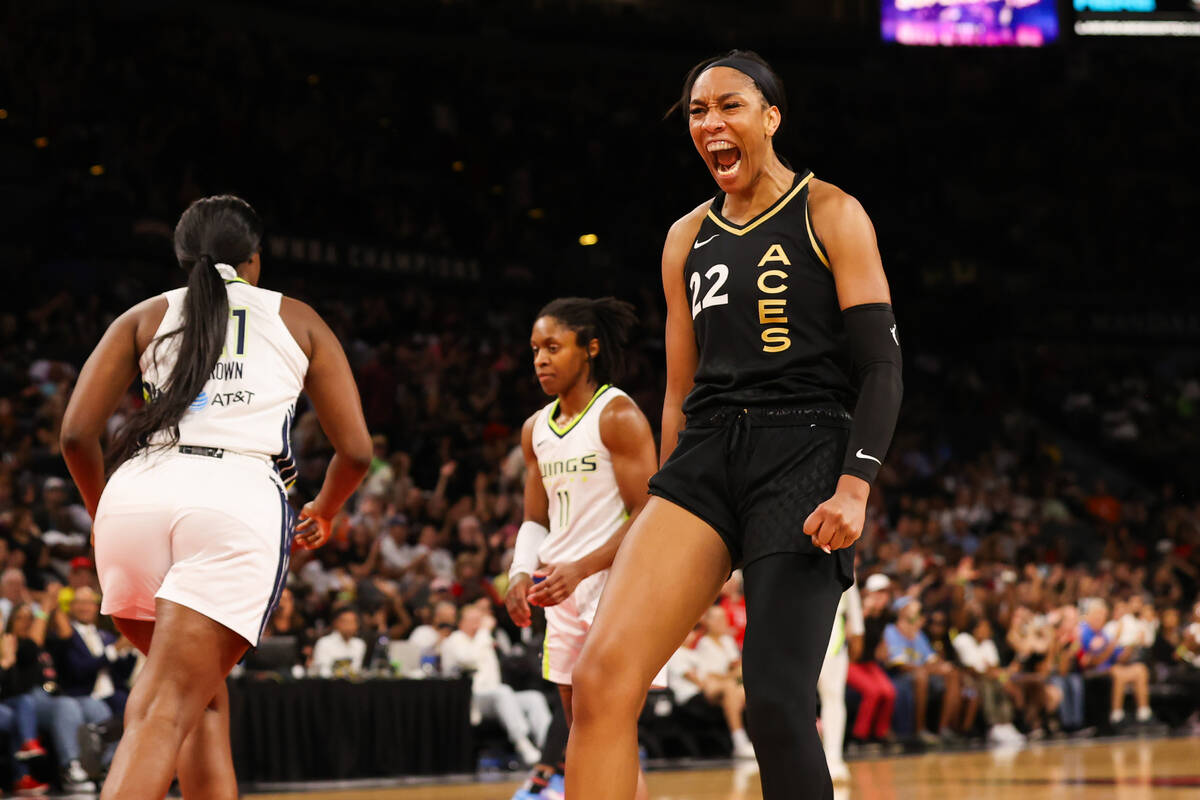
{"type": "Point", "coordinates": [525, 552]}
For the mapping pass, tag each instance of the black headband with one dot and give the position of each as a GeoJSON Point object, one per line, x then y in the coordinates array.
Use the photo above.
{"type": "Point", "coordinates": [756, 72]}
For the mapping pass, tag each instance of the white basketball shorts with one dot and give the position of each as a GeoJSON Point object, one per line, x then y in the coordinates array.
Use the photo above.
{"type": "Point", "coordinates": [567, 626]}
{"type": "Point", "coordinates": [212, 534]}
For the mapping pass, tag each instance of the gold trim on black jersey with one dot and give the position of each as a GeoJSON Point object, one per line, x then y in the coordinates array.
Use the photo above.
{"type": "Point", "coordinates": [766, 215]}
{"type": "Point", "coordinates": [817, 247]}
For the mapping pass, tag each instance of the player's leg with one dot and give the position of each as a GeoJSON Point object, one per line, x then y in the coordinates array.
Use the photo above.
{"type": "Point", "coordinates": [831, 685]}
{"type": "Point", "coordinates": [790, 604]}
{"type": "Point", "coordinates": [669, 569]}
{"type": "Point", "coordinates": [554, 751]}
{"type": "Point", "coordinates": [190, 655]}
{"type": "Point", "coordinates": [205, 764]}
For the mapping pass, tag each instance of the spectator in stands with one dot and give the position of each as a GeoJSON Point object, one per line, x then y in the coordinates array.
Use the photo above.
{"type": "Point", "coordinates": [977, 652]}
{"type": "Point", "coordinates": [18, 721]}
{"type": "Point", "coordinates": [707, 675]}
{"type": "Point", "coordinates": [1189, 648]}
{"type": "Point", "coordinates": [1102, 505]}
{"type": "Point", "coordinates": [13, 592]}
{"type": "Point", "coordinates": [866, 674]}
{"type": "Point", "coordinates": [287, 620]}
{"type": "Point", "coordinates": [339, 654]}
{"type": "Point", "coordinates": [524, 715]}
{"type": "Point", "coordinates": [397, 557]}
{"type": "Point", "coordinates": [441, 563]}
{"type": "Point", "coordinates": [32, 673]}
{"type": "Point", "coordinates": [1133, 625]}
{"type": "Point", "coordinates": [469, 583]}
{"type": "Point", "coordinates": [442, 623]}
{"type": "Point", "coordinates": [733, 600]}
{"type": "Point", "coordinates": [1034, 645]}
{"type": "Point", "coordinates": [918, 671]}
{"type": "Point", "coordinates": [94, 665]}
{"type": "Point", "coordinates": [1063, 671]}
{"type": "Point", "coordinates": [65, 526]}
{"type": "Point", "coordinates": [1100, 654]}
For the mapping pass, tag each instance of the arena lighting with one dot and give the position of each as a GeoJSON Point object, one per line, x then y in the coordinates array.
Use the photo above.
{"type": "Point", "coordinates": [458, 166]}
{"type": "Point", "coordinates": [96, 169]}
{"type": "Point", "coordinates": [41, 142]}
{"type": "Point", "coordinates": [588, 239]}
{"type": "Point", "coordinates": [537, 213]}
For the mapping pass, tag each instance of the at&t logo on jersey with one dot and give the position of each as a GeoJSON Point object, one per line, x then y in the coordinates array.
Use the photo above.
{"type": "Point", "coordinates": [571, 465]}
{"type": "Point", "coordinates": [204, 400]}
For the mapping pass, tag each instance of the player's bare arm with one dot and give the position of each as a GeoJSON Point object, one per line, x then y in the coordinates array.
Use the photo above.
{"type": "Point", "coordinates": [680, 338]}
{"type": "Point", "coordinates": [105, 378]}
{"type": "Point", "coordinates": [844, 228]}
{"type": "Point", "coordinates": [537, 510]}
{"type": "Point", "coordinates": [330, 386]}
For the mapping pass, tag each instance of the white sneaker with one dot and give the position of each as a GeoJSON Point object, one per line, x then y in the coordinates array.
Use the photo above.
{"type": "Point", "coordinates": [76, 781]}
{"type": "Point", "coordinates": [839, 772]}
{"type": "Point", "coordinates": [743, 750]}
{"type": "Point", "coordinates": [1014, 735]}
{"type": "Point", "coordinates": [528, 753]}
{"type": "Point", "coordinates": [1005, 735]}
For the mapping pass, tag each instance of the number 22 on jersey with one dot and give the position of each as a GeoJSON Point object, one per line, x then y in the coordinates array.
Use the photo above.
{"type": "Point", "coordinates": [718, 274]}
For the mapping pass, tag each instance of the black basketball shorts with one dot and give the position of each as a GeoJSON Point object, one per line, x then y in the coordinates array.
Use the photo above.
{"type": "Point", "coordinates": [756, 474]}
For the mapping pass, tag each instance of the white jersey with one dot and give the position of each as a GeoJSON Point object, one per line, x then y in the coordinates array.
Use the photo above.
{"type": "Point", "coordinates": [249, 402]}
{"type": "Point", "coordinates": [585, 503]}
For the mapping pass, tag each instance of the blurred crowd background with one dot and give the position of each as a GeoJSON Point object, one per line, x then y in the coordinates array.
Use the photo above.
{"type": "Point", "coordinates": [429, 178]}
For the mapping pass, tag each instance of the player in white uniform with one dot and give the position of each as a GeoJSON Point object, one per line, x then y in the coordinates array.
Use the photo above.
{"type": "Point", "coordinates": [193, 528]}
{"type": "Point", "coordinates": [588, 457]}
{"type": "Point", "coordinates": [845, 645]}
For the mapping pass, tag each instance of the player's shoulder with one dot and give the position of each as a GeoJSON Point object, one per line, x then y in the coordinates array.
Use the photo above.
{"type": "Point", "coordinates": [685, 228]}
{"type": "Point", "coordinates": [140, 322]}
{"type": "Point", "coordinates": [621, 415]}
{"type": "Point", "coordinates": [830, 203]}
{"type": "Point", "coordinates": [528, 427]}
{"type": "Point", "coordinates": [290, 307]}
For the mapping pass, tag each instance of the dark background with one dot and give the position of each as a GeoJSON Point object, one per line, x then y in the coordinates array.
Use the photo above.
{"type": "Point", "coordinates": [1034, 207]}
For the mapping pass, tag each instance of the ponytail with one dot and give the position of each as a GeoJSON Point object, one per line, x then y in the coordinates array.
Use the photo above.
{"type": "Point", "coordinates": [608, 320]}
{"type": "Point", "coordinates": [222, 229]}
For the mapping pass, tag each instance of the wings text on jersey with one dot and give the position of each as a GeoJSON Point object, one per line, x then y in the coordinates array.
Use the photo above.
{"type": "Point", "coordinates": [585, 463]}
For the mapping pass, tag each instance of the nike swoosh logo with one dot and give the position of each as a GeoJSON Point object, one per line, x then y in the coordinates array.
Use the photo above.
{"type": "Point", "coordinates": [698, 245]}
{"type": "Point", "coordinates": [865, 457]}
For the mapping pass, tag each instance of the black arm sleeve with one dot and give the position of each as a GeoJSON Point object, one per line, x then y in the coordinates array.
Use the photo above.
{"type": "Point", "coordinates": [875, 349]}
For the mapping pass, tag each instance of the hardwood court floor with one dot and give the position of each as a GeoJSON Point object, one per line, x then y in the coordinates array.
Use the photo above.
{"type": "Point", "coordinates": [1154, 769]}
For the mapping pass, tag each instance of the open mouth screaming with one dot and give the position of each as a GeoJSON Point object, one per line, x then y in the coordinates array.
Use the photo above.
{"type": "Point", "coordinates": [726, 158]}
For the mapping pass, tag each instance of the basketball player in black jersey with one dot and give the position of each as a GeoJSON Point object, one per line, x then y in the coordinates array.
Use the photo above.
{"type": "Point", "coordinates": [777, 305]}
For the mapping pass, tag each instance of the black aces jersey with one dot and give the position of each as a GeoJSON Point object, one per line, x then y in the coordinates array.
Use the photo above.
{"type": "Point", "coordinates": [765, 311]}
